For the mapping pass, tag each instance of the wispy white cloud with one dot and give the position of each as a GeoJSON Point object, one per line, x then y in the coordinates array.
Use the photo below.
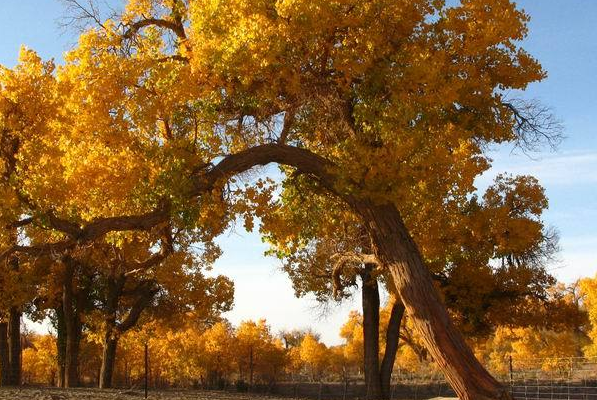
{"type": "Point", "coordinates": [560, 169]}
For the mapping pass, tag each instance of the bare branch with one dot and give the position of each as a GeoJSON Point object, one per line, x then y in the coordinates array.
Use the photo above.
{"type": "Point", "coordinates": [534, 124]}
{"type": "Point", "coordinates": [82, 14]}
{"type": "Point", "coordinates": [166, 248]}
{"type": "Point", "coordinates": [146, 290]}
{"type": "Point", "coordinates": [175, 57]}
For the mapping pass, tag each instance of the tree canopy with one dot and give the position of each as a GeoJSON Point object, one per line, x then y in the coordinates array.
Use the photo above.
{"type": "Point", "coordinates": [390, 106]}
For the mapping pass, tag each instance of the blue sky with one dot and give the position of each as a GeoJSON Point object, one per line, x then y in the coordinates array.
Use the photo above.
{"type": "Point", "coordinates": [562, 36]}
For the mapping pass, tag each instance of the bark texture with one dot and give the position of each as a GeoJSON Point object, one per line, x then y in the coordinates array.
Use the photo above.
{"type": "Point", "coordinates": [395, 248]}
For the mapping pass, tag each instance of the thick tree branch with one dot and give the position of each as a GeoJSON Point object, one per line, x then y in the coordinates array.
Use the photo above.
{"type": "Point", "coordinates": [205, 180]}
{"type": "Point", "coordinates": [20, 224]}
{"type": "Point", "coordinates": [145, 292]}
{"type": "Point", "coordinates": [175, 26]}
{"type": "Point", "coordinates": [166, 248]}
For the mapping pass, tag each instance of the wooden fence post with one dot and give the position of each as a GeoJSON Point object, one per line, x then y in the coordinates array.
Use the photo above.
{"type": "Point", "coordinates": [146, 367]}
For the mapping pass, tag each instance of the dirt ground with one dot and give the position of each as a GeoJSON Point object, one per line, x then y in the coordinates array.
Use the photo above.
{"type": "Point", "coordinates": [50, 393]}
{"type": "Point", "coordinates": [115, 394]}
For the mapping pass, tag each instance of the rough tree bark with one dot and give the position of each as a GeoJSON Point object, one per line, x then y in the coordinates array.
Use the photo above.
{"type": "Point", "coordinates": [4, 360]}
{"type": "Point", "coordinates": [396, 249]}
{"type": "Point", "coordinates": [370, 297]}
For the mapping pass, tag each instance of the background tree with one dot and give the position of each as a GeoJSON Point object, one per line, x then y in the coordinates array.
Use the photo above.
{"type": "Point", "coordinates": [259, 355]}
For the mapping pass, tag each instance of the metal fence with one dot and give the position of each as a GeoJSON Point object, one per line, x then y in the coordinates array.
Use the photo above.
{"type": "Point", "coordinates": [566, 378]}
{"type": "Point", "coordinates": [570, 378]}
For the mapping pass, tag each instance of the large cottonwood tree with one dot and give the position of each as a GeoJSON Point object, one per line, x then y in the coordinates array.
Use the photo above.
{"type": "Point", "coordinates": [388, 104]}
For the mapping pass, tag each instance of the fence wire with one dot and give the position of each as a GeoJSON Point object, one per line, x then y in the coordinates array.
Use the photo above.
{"type": "Point", "coordinates": [565, 378]}
{"type": "Point", "coordinates": [570, 378]}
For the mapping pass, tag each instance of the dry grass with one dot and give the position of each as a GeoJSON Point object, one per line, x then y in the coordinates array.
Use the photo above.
{"type": "Point", "coordinates": [115, 394]}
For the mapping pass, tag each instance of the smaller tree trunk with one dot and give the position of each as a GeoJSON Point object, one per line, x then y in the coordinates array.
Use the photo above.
{"type": "Point", "coordinates": [14, 346]}
{"type": "Point", "coordinates": [73, 327]}
{"type": "Point", "coordinates": [4, 360]}
{"type": "Point", "coordinates": [251, 367]}
{"type": "Point", "coordinates": [73, 342]}
{"type": "Point", "coordinates": [370, 296]}
{"type": "Point", "coordinates": [392, 338]}
{"type": "Point", "coordinates": [60, 344]}
{"type": "Point", "coordinates": [108, 361]}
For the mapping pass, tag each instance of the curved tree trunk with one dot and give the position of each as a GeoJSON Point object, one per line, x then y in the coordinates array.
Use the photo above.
{"type": "Point", "coordinates": [392, 338]}
{"type": "Point", "coordinates": [395, 249]}
{"type": "Point", "coordinates": [370, 296]}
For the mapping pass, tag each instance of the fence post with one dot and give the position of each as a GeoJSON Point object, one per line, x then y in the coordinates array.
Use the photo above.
{"type": "Point", "coordinates": [146, 367]}
{"type": "Point", "coordinates": [511, 375]}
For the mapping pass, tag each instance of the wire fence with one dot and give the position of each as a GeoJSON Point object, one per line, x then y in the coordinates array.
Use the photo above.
{"type": "Point", "coordinates": [565, 378]}
{"type": "Point", "coordinates": [569, 378]}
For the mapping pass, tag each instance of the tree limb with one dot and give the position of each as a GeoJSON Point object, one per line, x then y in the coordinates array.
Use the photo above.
{"type": "Point", "coordinates": [175, 26]}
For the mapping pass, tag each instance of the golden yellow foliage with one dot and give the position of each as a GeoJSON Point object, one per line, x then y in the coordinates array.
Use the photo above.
{"type": "Point", "coordinates": [39, 360]}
